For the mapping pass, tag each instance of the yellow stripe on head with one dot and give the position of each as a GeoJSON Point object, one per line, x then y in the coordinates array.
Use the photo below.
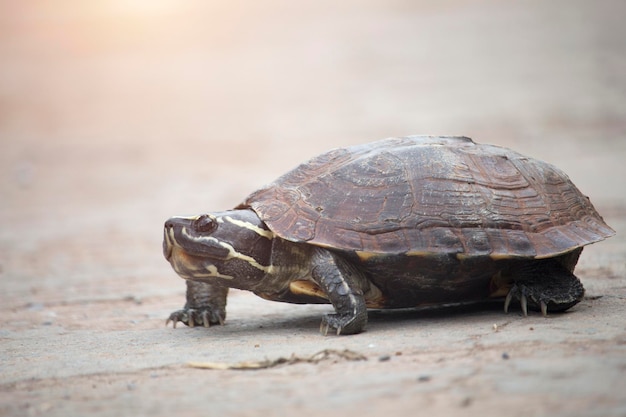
{"type": "Point", "coordinates": [254, 228]}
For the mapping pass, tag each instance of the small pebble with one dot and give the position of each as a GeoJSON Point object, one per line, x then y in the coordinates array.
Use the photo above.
{"type": "Point", "coordinates": [505, 356]}
{"type": "Point", "coordinates": [384, 358]}
{"type": "Point", "coordinates": [35, 306]}
{"type": "Point", "coordinates": [133, 299]}
{"type": "Point", "coordinates": [424, 378]}
{"type": "Point", "coordinates": [466, 402]}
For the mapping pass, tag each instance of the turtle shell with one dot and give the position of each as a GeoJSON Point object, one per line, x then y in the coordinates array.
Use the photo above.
{"type": "Point", "coordinates": [422, 195]}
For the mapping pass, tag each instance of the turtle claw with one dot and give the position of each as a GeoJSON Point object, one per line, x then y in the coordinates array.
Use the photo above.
{"type": "Point", "coordinates": [524, 304]}
{"type": "Point", "coordinates": [205, 319]}
{"type": "Point", "coordinates": [342, 323]}
{"type": "Point", "coordinates": [325, 325]}
{"type": "Point", "coordinates": [520, 292]}
{"type": "Point", "coordinates": [525, 296]}
{"type": "Point", "coordinates": [192, 317]}
{"type": "Point", "coordinates": [507, 301]}
{"type": "Point", "coordinates": [324, 328]}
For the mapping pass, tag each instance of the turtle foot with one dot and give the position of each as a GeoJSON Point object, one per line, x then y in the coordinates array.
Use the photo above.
{"type": "Point", "coordinates": [192, 317]}
{"type": "Point", "coordinates": [549, 288]}
{"type": "Point", "coordinates": [342, 324]}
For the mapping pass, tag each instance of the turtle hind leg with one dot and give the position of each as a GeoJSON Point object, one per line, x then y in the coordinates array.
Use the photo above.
{"type": "Point", "coordinates": [544, 285]}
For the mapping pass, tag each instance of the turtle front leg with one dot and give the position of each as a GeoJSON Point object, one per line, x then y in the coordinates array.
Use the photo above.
{"type": "Point", "coordinates": [206, 305]}
{"type": "Point", "coordinates": [341, 283]}
{"type": "Point", "coordinates": [545, 285]}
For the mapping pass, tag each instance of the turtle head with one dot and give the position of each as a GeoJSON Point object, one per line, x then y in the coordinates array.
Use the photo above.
{"type": "Point", "coordinates": [230, 248]}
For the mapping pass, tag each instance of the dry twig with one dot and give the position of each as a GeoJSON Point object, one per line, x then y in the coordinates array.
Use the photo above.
{"type": "Point", "coordinates": [325, 354]}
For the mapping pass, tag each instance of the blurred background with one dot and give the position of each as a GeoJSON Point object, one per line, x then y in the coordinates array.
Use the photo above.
{"type": "Point", "coordinates": [115, 115]}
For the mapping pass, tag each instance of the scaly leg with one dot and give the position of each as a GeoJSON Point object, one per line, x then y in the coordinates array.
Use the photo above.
{"type": "Point", "coordinates": [342, 284]}
{"type": "Point", "coordinates": [545, 285]}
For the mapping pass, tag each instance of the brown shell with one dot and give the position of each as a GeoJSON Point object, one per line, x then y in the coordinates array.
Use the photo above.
{"type": "Point", "coordinates": [423, 195]}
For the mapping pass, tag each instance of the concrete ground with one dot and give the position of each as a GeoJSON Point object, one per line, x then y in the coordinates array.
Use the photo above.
{"type": "Point", "coordinates": [115, 115]}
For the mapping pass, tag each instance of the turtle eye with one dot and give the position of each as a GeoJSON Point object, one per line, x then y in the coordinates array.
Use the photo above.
{"type": "Point", "coordinates": [204, 224]}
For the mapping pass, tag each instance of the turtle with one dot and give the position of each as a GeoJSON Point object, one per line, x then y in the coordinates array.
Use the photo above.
{"type": "Point", "coordinates": [403, 222]}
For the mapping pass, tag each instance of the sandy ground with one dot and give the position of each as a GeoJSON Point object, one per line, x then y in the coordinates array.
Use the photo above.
{"type": "Point", "coordinates": [115, 115]}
